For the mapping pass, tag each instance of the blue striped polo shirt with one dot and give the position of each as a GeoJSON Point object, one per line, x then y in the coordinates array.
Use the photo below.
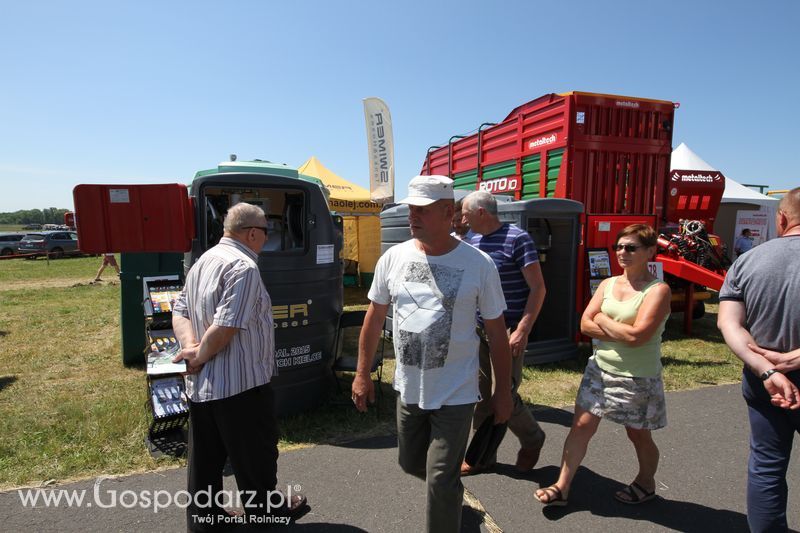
{"type": "Point", "coordinates": [511, 249]}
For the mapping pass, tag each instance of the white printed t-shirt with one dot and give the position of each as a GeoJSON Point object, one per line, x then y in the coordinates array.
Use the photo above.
{"type": "Point", "coordinates": [434, 302]}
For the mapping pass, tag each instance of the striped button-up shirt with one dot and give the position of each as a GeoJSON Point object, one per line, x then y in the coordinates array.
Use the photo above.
{"type": "Point", "coordinates": [224, 288]}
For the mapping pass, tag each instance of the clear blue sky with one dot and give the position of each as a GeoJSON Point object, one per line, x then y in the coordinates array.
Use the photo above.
{"type": "Point", "coordinates": [152, 91]}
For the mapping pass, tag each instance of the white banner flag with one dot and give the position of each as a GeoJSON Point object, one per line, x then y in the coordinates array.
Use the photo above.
{"type": "Point", "coordinates": [381, 150]}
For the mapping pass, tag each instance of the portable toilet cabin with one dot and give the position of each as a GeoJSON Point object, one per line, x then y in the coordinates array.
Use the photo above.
{"type": "Point", "coordinates": [555, 226]}
{"type": "Point", "coordinates": [299, 263]}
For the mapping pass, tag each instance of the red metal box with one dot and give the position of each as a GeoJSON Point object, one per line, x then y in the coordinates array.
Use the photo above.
{"type": "Point", "coordinates": [134, 218]}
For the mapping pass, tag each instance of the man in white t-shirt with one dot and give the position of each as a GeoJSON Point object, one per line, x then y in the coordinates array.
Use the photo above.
{"type": "Point", "coordinates": [435, 283]}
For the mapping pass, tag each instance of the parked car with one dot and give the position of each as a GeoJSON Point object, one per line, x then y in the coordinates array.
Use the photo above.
{"type": "Point", "coordinates": [55, 243]}
{"type": "Point", "coordinates": [9, 243]}
{"type": "Point", "coordinates": [32, 226]}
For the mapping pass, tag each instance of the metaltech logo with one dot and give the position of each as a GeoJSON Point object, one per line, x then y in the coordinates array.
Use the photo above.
{"type": "Point", "coordinates": [702, 178]}
{"type": "Point", "coordinates": [626, 103]}
{"type": "Point", "coordinates": [543, 141]}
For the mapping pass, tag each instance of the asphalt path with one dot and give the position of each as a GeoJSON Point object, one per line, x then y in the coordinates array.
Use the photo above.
{"type": "Point", "coordinates": [359, 487]}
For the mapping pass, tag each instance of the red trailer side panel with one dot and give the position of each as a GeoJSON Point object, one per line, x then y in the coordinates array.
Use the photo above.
{"type": "Point", "coordinates": [609, 152]}
{"type": "Point", "coordinates": [134, 218]}
{"type": "Point", "coordinates": [623, 146]}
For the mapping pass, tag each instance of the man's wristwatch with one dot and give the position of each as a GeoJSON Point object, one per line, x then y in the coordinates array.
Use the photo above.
{"type": "Point", "coordinates": [767, 373]}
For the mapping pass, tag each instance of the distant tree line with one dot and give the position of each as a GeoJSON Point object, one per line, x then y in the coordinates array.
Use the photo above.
{"type": "Point", "coordinates": [48, 215]}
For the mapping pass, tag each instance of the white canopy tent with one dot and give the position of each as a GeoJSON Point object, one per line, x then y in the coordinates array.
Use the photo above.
{"type": "Point", "coordinates": [684, 159]}
{"type": "Point", "coordinates": [736, 197]}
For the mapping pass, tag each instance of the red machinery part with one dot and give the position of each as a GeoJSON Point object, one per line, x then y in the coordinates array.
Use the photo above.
{"type": "Point", "coordinates": [686, 270]}
{"type": "Point", "coordinates": [695, 195]}
{"type": "Point", "coordinates": [666, 247]}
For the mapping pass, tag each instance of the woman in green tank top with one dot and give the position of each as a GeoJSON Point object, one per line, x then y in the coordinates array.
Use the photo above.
{"type": "Point", "coordinates": [622, 381]}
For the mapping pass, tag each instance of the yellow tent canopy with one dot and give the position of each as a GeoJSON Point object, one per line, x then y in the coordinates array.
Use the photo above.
{"type": "Point", "coordinates": [362, 225]}
{"type": "Point", "coordinates": [345, 197]}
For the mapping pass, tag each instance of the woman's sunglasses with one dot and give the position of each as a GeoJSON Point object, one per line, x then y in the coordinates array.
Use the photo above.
{"type": "Point", "coordinates": [627, 247]}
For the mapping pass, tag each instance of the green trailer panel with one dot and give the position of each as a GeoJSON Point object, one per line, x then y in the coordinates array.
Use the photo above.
{"type": "Point", "coordinates": [531, 167]}
{"type": "Point", "coordinates": [500, 170]}
{"type": "Point", "coordinates": [554, 159]}
{"type": "Point", "coordinates": [466, 180]}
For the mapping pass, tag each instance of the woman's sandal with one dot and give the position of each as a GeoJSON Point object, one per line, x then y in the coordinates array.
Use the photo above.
{"type": "Point", "coordinates": [554, 497]}
{"type": "Point", "coordinates": [634, 494]}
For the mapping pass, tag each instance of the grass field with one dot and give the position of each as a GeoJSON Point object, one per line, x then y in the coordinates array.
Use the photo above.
{"type": "Point", "coordinates": [69, 408]}
{"type": "Point", "coordinates": [10, 227]}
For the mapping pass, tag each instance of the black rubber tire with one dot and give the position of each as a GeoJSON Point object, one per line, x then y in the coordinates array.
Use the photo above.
{"type": "Point", "coordinates": [57, 253]}
{"type": "Point", "coordinates": [699, 310]}
{"type": "Point", "coordinates": [7, 251]}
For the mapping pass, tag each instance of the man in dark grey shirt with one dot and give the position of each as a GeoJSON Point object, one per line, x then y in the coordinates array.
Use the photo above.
{"type": "Point", "coordinates": [759, 316]}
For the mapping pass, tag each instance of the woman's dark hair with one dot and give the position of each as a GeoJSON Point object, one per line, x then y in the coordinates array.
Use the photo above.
{"type": "Point", "coordinates": [646, 235]}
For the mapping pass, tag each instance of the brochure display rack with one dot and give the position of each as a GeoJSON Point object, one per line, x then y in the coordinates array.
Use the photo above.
{"type": "Point", "coordinates": [166, 390]}
{"type": "Point", "coordinates": [599, 267]}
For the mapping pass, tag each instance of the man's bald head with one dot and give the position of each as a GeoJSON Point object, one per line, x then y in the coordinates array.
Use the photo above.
{"type": "Point", "coordinates": [790, 205]}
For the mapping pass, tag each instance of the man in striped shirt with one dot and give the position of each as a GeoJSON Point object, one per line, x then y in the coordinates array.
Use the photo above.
{"type": "Point", "coordinates": [514, 253]}
{"type": "Point", "coordinates": [223, 320]}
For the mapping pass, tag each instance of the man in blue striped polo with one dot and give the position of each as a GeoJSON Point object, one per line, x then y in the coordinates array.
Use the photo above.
{"type": "Point", "coordinates": [514, 253]}
{"type": "Point", "coordinates": [223, 320]}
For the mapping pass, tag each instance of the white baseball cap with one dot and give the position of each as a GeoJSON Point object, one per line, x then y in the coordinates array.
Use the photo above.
{"type": "Point", "coordinates": [424, 190]}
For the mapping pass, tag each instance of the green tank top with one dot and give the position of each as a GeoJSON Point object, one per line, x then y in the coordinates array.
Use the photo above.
{"type": "Point", "coordinates": [619, 358]}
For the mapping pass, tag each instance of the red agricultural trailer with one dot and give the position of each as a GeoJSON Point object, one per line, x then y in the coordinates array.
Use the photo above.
{"type": "Point", "coordinates": [69, 219]}
{"type": "Point", "coordinates": [612, 154]}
